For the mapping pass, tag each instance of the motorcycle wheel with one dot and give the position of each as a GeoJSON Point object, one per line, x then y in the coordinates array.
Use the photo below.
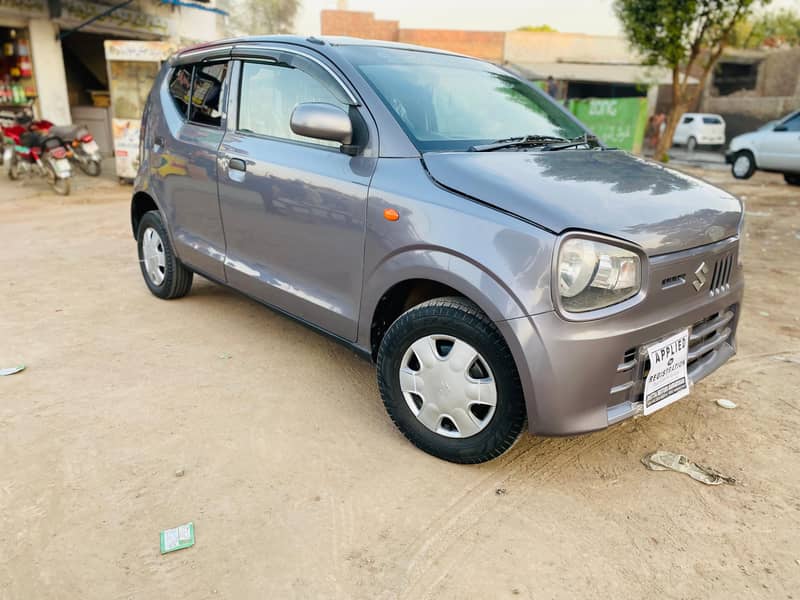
{"type": "Point", "coordinates": [90, 167]}
{"type": "Point", "coordinates": [13, 169]}
{"type": "Point", "coordinates": [61, 186]}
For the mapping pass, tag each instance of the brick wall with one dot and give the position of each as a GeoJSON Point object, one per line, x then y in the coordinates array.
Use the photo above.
{"type": "Point", "coordinates": [481, 44]}
{"type": "Point", "coordinates": [358, 24]}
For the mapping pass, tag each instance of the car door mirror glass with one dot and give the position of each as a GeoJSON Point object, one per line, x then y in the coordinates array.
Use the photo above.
{"type": "Point", "coordinates": [322, 121]}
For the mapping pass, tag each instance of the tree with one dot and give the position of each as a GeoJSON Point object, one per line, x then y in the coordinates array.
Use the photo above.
{"type": "Point", "coordinates": [770, 30]}
{"type": "Point", "coordinates": [685, 36]}
{"type": "Point", "coordinates": [259, 17]}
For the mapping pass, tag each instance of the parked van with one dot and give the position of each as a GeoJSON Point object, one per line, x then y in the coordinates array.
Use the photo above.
{"type": "Point", "coordinates": [700, 129]}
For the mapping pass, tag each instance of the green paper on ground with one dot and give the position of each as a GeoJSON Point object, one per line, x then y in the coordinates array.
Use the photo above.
{"type": "Point", "coordinates": [11, 370]}
{"type": "Point", "coordinates": [178, 538]}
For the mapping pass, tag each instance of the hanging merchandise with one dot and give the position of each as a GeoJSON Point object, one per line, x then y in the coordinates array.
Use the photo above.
{"type": "Point", "coordinates": [24, 63]}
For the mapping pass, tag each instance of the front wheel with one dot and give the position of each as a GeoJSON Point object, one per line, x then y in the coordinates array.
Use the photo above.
{"type": "Point", "coordinates": [448, 381]}
{"type": "Point", "coordinates": [791, 179]}
{"type": "Point", "coordinates": [90, 167]}
{"type": "Point", "coordinates": [13, 168]}
{"type": "Point", "coordinates": [164, 274]}
{"type": "Point", "coordinates": [743, 165]}
{"type": "Point", "coordinates": [61, 186]}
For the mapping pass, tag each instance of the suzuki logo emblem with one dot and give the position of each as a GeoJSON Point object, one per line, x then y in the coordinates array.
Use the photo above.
{"type": "Point", "coordinates": [700, 273]}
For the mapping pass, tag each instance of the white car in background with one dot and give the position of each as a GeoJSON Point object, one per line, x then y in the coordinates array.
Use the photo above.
{"type": "Point", "coordinates": [773, 147]}
{"type": "Point", "coordinates": [699, 129]}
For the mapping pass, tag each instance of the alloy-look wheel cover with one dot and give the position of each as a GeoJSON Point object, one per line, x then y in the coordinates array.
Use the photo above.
{"type": "Point", "coordinates": [154, 256]}
{"type": "Point", "coordinates": [448, 386]}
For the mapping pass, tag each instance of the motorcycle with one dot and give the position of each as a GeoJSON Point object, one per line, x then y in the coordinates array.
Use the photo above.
{"type": "Point", "coordinates": [85, 151]}
{"type": "Point", "coordinates": [34, 154]}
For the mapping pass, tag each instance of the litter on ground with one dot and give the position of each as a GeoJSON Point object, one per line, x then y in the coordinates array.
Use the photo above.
{"type": "Point", "coordinates": [663, 460]}
{"type": "Point", "coordinates": [177, 538]}
{"type": "Point", "coordinates": [11, 370]}
{"type": "Point", "coordinates": [725, 403]}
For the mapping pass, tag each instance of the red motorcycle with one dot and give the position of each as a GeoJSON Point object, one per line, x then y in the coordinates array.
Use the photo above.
{"type": "Point", "coordinates": [34, 154]}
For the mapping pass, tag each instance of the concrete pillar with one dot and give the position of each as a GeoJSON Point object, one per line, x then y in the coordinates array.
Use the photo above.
{"type": "Point", "coordinates": [48, 70]}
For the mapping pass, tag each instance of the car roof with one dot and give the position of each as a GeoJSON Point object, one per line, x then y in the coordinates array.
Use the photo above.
{"type": "Point", "coordinates": [319, 43]}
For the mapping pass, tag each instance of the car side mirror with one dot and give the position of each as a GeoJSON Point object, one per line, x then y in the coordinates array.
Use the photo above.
{"type": "Point", "coordinates": [323, 121]}
{"type": "Point", "coordinates": [781, 128]}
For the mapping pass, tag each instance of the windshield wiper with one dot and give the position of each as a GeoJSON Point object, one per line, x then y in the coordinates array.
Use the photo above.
{"type": "Point", "coordinates": [584, 140]}
{"type": "Point", "coordinates": [520, 142]}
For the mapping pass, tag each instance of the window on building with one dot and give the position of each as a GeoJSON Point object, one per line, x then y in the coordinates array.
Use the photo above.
{"type": "Point", "coordinates": [270, 92]}
{"type": "Point", "coordinates": [731, 77]}
{"type": "Point", "coordinates": [207, 94]}
{"type": "Point", "coordinates": [179, 87]}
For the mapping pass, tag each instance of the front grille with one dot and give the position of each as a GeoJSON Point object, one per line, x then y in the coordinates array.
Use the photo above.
{"type": "Point", "coordinates": [707, 337]}
{"type": "Point", "coordinates": [721, 277]}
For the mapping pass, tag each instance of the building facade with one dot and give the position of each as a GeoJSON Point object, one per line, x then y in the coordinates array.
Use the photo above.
{"type": "Point", "coordinates": [62, 74]}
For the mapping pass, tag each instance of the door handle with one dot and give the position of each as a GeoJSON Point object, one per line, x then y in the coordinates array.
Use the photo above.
{"type": "Point", "coordinates": [237, 164]}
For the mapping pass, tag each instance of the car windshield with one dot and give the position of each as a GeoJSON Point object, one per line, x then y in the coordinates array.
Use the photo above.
{"type": "Point", "coordinates": [448, 102]}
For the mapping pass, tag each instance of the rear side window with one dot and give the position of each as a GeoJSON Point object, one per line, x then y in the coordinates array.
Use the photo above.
{"type": "Point", "coordinates": [270, 92]}
{"type": "Point", "coordinates": [712, 120]}
{"type": "Point", "coordinates": [179, 85]}
{"type": "Point", "coordinates": [688, 120]}
{"type": "Point", "coordinates": [207, 94]}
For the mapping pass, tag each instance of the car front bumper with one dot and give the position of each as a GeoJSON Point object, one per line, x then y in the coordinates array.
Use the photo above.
{"type": "Point", "coordinates": [729, 157]}
{"type": "Point", "coordinates": [584, 376]}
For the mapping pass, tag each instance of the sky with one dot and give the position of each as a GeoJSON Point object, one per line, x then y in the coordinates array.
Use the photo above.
{"type": "Point", "coordinates": [582, 16]}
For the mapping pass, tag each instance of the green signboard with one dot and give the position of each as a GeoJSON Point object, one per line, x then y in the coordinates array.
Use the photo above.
{"type": "Point", "coordinates": [618, 122]}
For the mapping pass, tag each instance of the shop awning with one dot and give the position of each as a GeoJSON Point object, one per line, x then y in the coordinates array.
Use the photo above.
{"type": "Point", "coordinates": [196, 5]}
{"type": "Point", "coordinates": [596, 72]}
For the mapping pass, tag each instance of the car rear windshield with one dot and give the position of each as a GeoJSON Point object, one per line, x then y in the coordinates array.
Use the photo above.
{"type": "Point", "coordinates": [712, 120]}
{"type": "Point", "coordinates": [452, 103]}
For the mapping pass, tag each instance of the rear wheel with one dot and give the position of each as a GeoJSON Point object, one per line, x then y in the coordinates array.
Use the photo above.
{"type": "Point", "coordinates": [791, 179]}
{"type": "Point", "coordinates": [164, 274]}
{"type": "Point", "coordinates": [691, 144]}
{"type": "Point", "coordinates": [743, 165]}
{"type": "Point", "coordinates": [448, 381]}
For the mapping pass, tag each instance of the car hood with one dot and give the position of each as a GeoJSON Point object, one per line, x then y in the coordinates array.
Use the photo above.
{"type": "Point", "coordinates": [604, 191]}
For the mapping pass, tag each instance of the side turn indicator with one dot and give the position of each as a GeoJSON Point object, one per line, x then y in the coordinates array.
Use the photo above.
{"type": "Point", "coordinates": [391, 214]}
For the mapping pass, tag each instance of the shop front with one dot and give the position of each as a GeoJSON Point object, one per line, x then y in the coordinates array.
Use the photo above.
{"type": "Point", "coordinates": [53, 59]}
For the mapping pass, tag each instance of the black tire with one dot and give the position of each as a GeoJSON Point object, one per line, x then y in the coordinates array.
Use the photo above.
{"type": "Point", "coordinates": [791, 179]}
{"type": "Point", "coordinates": [13, 168]}
{"type": "Point", "coordinates": [177, 278]}
{"type": "Point", "coordinates": [691, 144]}
{"type": "Point", "coordinates": [751, 164]}
{"type": "Point", "coordinates": [461, 319]}
{"type": "Point", "coordinates": [92, 168]}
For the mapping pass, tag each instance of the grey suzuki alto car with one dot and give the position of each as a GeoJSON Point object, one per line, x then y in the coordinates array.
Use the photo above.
{"type": "Point", "coordinates": [446, 219]}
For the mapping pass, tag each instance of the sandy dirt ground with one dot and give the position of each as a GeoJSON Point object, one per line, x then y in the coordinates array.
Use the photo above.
{"type": "Point", "coordinates": [297, 482]}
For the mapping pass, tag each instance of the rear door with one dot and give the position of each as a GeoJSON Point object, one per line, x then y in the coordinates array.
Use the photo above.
{"type": "Point", "coordinates": [294, 208]}
{"type": "Point", "coordinates": [184, 161]}
{"type": "Point", "coordinates": [779, 149]}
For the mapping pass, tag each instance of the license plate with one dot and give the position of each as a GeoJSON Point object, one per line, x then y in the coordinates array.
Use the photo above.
{"type": "Point", "coordinates": [62, 166]}
{"type": "Point", "coordinates": [668, 379]}
{"type": "Point", "coordinates": [90, 147]}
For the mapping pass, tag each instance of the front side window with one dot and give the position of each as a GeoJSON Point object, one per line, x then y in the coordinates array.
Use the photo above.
{"type": "Point", "coordinates": [452, 103]}
{"type": "Point", "coordinates": [688, 120]}
{"type": "Point", "coordinates": [269, 94]}
{"type": "Point", "coordinates": [207, 94]}
{"type": "Point", "coordinates": [792, 124]}
{"type": "Point", "coordinates": [712, 121]}
{"type": "Point", "coordinates": [179, 85]}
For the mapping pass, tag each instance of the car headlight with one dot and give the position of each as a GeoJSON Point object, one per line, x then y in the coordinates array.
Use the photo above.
{"type": "Point", "coordinates": [593, 275]}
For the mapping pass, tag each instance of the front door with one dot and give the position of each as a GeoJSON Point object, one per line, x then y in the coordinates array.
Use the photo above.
{"type": "Point", "coordinates": [184, 161]}
{"type": "Point", "coordinates": [779, 149]}
{"type": "Point", "coordinates": [293, 208]}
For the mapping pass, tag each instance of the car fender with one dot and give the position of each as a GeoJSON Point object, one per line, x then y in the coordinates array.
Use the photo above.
{"type": "Point", "coordinates": [440, 265]}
